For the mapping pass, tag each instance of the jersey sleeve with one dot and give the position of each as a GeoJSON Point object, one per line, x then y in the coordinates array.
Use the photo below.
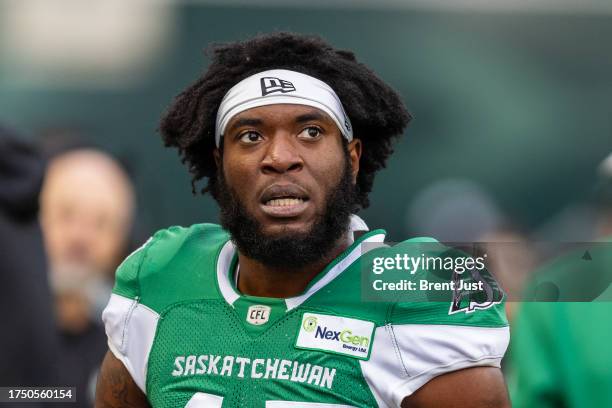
{"type": "Point", "coordinates": [418, 345]}
{"type": "Point", "coordinates": [429, 333]}
{"type": "Point", "coordinates": [165, 270]}
{"type": "Point", "coordinates": [130, 325]}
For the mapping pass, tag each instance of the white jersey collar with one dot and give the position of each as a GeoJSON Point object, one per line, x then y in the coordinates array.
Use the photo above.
{"type": "Point", "coordinates": [228, 252]}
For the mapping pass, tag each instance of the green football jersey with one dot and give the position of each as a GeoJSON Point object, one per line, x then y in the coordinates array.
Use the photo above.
{"type": "Point", "coordinates": [189, 338]}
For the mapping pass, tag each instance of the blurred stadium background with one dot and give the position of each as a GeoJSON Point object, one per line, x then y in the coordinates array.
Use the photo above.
{"type": "Point", "coordinates": [512, 99]}
{"type": "Point", "coordinates": [515, 96]}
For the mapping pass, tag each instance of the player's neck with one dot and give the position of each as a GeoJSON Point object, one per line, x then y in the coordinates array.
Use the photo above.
{"type": "Point", "coordinates": [257, 279]}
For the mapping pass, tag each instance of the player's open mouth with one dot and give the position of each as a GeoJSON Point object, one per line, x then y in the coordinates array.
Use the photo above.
{"type": "Point", "coordinates": [284, 207]}
{"type": "Point", "coordinates": [284, 200]}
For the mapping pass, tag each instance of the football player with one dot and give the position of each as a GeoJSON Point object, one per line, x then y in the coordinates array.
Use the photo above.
{"type": "Point", "coordinates": [265, 310]}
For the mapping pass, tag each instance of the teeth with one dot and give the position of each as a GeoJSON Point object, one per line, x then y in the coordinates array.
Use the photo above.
{"type": "Point", "coordinates": [284, 202]}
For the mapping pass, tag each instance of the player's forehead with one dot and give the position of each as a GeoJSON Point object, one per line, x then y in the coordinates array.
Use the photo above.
{"type": "Point", "coordinates": [279, 114]}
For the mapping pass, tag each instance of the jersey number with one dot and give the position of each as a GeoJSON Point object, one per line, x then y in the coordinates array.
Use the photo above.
{"type": "Point", "coordinates": [204, 400]}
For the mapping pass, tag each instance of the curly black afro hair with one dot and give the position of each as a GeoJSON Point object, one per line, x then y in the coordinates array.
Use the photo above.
{"type": "Point", "coordinates": [376, 111]}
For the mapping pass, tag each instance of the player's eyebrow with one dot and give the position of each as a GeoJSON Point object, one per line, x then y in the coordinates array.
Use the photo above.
{"type": "Point", "coordinates": [307, 117]}
{"type": "Point", "coordinates": [244, 122]}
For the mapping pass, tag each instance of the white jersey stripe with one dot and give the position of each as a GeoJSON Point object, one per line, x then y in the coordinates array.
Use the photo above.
{"type": "Point", "coordinates": [294, 302]}
{"type": "Point", "coordinates": [130, 327]}
{"type": "Point", "coordinates": [223, 270]}
{"type": "Point", "coordinates": [405, 357]}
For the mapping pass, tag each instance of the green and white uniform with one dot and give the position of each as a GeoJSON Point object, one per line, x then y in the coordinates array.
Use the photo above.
{"type": "Point", "coordinates": [190, 339]}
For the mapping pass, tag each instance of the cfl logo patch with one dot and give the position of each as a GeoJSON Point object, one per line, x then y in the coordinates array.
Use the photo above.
{"type": "Point", "coordinates": [258, 314]}
{"type": "Point", "coordinates": [270, 85]}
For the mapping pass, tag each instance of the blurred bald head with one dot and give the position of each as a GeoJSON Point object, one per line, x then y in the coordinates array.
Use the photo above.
{"type": "Point", "coordinates": [87, 206]}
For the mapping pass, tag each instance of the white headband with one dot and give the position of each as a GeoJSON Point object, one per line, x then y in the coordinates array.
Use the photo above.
{"type": "Point", "coordinates": [281, 86]}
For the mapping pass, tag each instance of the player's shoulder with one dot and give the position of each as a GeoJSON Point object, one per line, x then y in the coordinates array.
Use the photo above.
{"type": "Point", "coordinates": [429, 332]}
{"type": "Point", "coordinates": [175, 263]}
{"type": "Point", "coordinates": [420, 294]}
{"type": "Point", "coordinates": [432, 332]}
{"type": "Point", "coordinates": [475, 299]}
{"type": "Point", "coordinates": [179, 244]}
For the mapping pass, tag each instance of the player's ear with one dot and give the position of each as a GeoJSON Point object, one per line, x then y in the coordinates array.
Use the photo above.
{"type": "Point", "coordinates": [354, 149]}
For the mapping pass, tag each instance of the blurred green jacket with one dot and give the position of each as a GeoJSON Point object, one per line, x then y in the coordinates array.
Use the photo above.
{"type": "Point", "coordinates": [561, 352]}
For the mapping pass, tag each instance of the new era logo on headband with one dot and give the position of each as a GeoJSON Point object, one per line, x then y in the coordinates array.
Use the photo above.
{"type": "Point", "coordinates": [270, 85]}
{"type": "Point", "coordinates": [347, 124]}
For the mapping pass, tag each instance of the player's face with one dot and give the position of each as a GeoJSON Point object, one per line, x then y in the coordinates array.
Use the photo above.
{"type": "Point", "coordinates": [283, 161]}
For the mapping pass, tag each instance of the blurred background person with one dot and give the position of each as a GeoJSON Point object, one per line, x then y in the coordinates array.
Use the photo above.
{"type": "Point", "coordinates": [454, 210]}
{"type": "Point", "coordinates": [511, 259]}
{"type": "Point", "coordinates": [28, 343]}
{"type": "Point", "coordinates": [457, 211]}
{"type": "Point", "coordinates": [603, 202]}
{"type": "Point", "coordinates": [87, 206]}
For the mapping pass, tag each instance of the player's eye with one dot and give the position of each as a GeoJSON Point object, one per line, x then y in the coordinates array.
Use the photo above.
{"type": "Point", "coordinates": [250, 137]}
{"type": "Point", "coordinates": [311, 132]}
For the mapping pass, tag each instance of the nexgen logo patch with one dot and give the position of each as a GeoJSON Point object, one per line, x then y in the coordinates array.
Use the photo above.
{"type": "Point", "coordinates": [336, 334]}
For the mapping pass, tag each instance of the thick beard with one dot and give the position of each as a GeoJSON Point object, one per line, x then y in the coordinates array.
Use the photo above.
{"type": "Point", "coordinates": [289, 251]}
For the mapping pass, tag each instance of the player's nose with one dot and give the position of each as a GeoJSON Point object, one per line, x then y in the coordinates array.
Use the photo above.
{"type": "Point", "coordinates": [282, 155]}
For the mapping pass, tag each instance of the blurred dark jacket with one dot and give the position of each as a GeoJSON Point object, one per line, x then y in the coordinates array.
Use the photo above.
{"type": "Point", "coordinates": [28, 343]}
